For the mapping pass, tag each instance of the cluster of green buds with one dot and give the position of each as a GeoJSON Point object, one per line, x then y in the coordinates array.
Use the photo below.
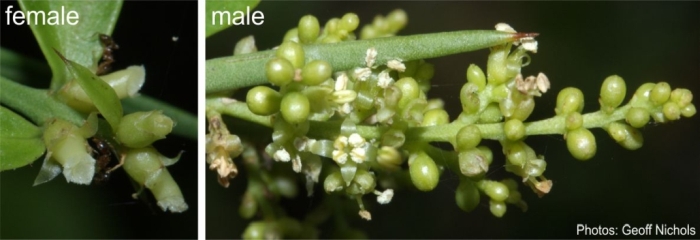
{"type": "Point", "coordinates": [357, 127]}
{"type": "Point", "coordinates": [129, 136]}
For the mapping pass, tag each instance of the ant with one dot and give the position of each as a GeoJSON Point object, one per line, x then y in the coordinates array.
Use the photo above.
{"type": "Point", "coordinates": [104, 154]}
{"type": "Point", "coordinates": [107, 59]}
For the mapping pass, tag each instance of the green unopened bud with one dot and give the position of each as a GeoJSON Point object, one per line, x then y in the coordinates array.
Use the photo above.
{"type": "Point", "coordinates": [409, 90]}
{"type": "Point", "coordinates": [574, 120]}
{"type": "Point", "coordinates": [472, 162]}
{"type": "Point", "coordinates": [671, 111]}
{"type": "Point", "coordinates": [245, 45]}
{"type": "Point", "coordinates": [469, 98]}
{"type": "Point", "coordinates": [363, 183]}
{"type": "Point", "coordinates": [612, 93]}
{"type": "Point", "coordinates": [518, 153]}
{"type": "Point", "coordinates": [435, 117]}
{"type": "Point", "coordinates": [141, 129]}
{"type": "Point", "coordinates": [389, 157]}
{"type": "Point", "coordinates": [468, 138]}
{"type": "Point", "coordinates": [625, 135]}
{"type": "Point", "coordinates": [424, 173]}
{"type": "Point", "coordinates": [147, 167]}
{"type": "Point", "coordinates": [642, 94]}
{"type": "Point", "coordinates": [497, 191]}
{"type": "Point", "coordinates": [496, 65]}
{"type": "Point", "coordinates": [689, 110]}
{"type": "Point", "coordinates": [292, 35]}
{"type": "Point", "coordinates": [581, 143]}
{"type": "Point", "coordinates": [476, 76]}
{"type": "Point", "coordinates": [126, 83]}
{"type": "Point", "coordinates": [660, 93]}
{"type": "Point", "coordinates": [569, 100]}
{"type": "Point", "coordinates": [397, 19]}
{"type": "Point", "coordinates": [498, 209]}
{"type": "Point", "coordinates": [308, 29]}
{"type": "Point", "coordinates": [248, 206]}
{"type": "Point", "coordinates": [491, 114]}
{"type": "Point", "coordinates": [514, 129]}
{"type": "Point", "coordinates": [333, 182]}
{"type": "Point", "coordinates": [293, 52]}
{"type": "Point", "coordinates": [681, 96]}
{"type": "Point", "coordinates": [637, 117]}
{"type": "Point", "coordinates": [467, 195]}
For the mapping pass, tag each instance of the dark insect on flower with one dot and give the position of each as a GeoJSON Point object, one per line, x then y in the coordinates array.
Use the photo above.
{"type": "Point", "coordinates": [106, 159]}
{"type": "Point", "coordinates": [107, 59]}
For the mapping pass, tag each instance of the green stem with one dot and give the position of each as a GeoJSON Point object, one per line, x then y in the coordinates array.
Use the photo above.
{"type": "Point", "coordinates": [240, 71]}
{"type": "Point", "coordinates": [494, 131]}
{"type": "Point", "coordinates": [36, 104]}
{"type": "Point", "coordinates": [22, 69]}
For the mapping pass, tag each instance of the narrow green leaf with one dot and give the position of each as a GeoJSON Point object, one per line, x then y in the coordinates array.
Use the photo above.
{"type": "Point", "coordinates": [20, 141]}
{"type": "Point", "coordinates": [227, 6]}
{"type": "Point", "coordinates": [239, 71]}
{"type": "Point", "coordinates": [79, 42]}
{"type": "Point", "coordinates": [104, 97]}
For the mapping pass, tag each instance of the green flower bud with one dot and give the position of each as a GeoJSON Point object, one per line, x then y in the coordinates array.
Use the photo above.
{"type": "Point", "coordinates": [518, 153]}
{"type": "Point", "coordinates": [363, 183]}
{"type": "Point", "coordinates": [681, 96]}
{"type": "Point", "coordinates": [349, 22]}
{"type": "Point", "coordinates": [491, 114]}
{"type": "Point", "coordinates": [671, 110]}
{"type": "Point", "coordinates": [514, 197]}
{"type": "Point", "coordinates": [498, 209]}
{"type": "Point", "coordinates": [569, 100]}
{"type": "Point", "coordinates": [467, 195]}
{"type": "Point", "coordinates": [688, 111]}
{"type": "Point", "coordinates": [389, 157]}
{"type": "Point", "coordinates": [469, 98]}
{"type": "Point", "coordinates": [660, 93]}
{"type": "Point", "coordinates": [260, 230]}
{"type": "Point", "coordinates": [295, 107]}
{"type": "Point", "coordinates": [248, 206]}
{"type": "Point", "coordinates": [487, 153]}
{"type": "Point", "coordinates": [514, 129]}
{"type": "Point", "coordinates": [146, 166]}
{"type": "Point", "coordinates": [308, 29]}
{"type": "Point", "coordinates": [476, 76]}
{"type": "Point", "coordinates": [625, 135]}
{"type": "Point", "coordinates": [284, 185]}
{"type": "Point", "coordinates": [333, 182]}
{"type": "Point", "coordinates": [369, 32]}
{"type": "Point", "coordinates": [263, 100]}
{"type": "Point", "coordinates": [245, 45]}
{"type": "Point", "coordinates": [393, 138]}
{"type": "Point", "coordinates": [409, 90]}
{"type": "Point", "coordinates": [66, 144]}
{"type": "Point", "coordinates": [141, 129]}
{"type": "Point", "coordinates": [523, 108]}
{"type": "Point", "coordinates": [612, 93]}
{"type": "Point", "coordinates": [497, 191]}
{"type": "Point", "coordinates": [642, 93]}
{"type": "Point", "coordinates": [126, 83]}
{"type": "Point", "coordinates": [397, 19]}
{"type": "Point", "coordinates": [293, 52]}
{"type": "Point", "coordinates": [468, 137]}
{"type": "Point", "coordinates": [435, 117]}
{"type": "Point", "coordinates": [279, 71]}
{"type": "Point", "coordinates": [637, 117]}
{"type": "Point", "coordinates": [316, 72]}
{"type": "Point", "coordinates": [496, 69]}
{"type": "Point", "coordinates": [424, 72]}
{"type": "Point", "coordinates": [473, 162]}
{"type": "Point", "coordinates": [424, 173]}
{"type": "Point", "coordinates": [581, 143]}
{"type": "Point", "coordinates": [574, 120]}
{"type": "Point", "coordinates": [292, 35]}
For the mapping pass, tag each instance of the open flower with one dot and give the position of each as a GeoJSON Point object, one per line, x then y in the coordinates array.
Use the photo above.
{"type": "Point", "coordinates": [352, 147]}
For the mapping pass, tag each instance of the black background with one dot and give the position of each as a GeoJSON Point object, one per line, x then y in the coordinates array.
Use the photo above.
{"type": "Point", "coordinates": [581, 43]}
{"type": "Point", "coordinates": [56, 209]}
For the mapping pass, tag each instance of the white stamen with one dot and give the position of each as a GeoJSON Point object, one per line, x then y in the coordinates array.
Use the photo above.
{"type": "Point", "coordinates": [396, 65]}
{"type": "Point", "coordinates": [371, 57]}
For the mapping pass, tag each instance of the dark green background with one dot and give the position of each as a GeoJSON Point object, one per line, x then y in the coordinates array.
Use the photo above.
{"type": "Point", "coordinates": [580, 44]}
{"type": "Point", "coordinates": [57, 209]}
